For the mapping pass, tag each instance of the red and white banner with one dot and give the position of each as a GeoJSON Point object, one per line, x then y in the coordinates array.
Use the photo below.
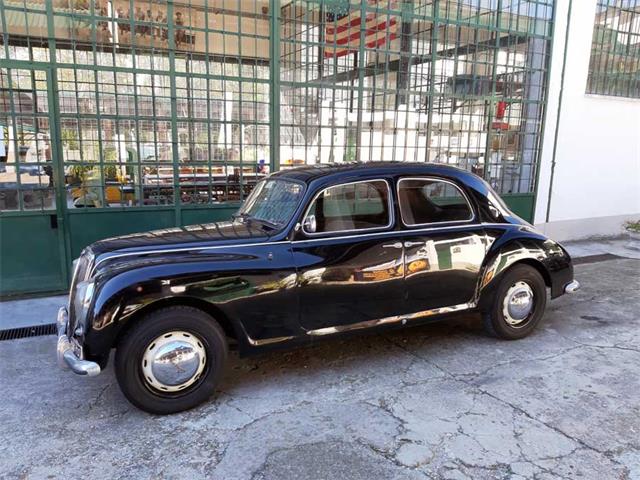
{"type": "Point", "coordinates": [342, 32]}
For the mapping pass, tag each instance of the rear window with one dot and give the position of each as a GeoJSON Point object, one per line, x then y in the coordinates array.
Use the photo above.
{"type": "Point", "coordinates": [424, 201]}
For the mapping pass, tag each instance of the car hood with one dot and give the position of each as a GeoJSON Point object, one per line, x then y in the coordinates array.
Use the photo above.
{"type": "Point", "coordinates": [184, 238]}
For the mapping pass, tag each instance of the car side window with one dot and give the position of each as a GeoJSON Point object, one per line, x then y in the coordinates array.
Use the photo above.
{"type": "Point", "coordinates": [349, 207]}
{"type": "Point", "coordinates": [428, 200]}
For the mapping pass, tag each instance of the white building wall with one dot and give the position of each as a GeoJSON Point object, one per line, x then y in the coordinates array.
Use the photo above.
{"type": "Point", "coordinates": [596, 181]}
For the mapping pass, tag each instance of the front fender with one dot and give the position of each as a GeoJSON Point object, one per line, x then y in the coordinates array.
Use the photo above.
{"type": "Point", "coordinates": [237, 288]}
{"type": "Point", "coordinates": [523, 245]}
{"type": "Point", "coordinates": [122, 296]}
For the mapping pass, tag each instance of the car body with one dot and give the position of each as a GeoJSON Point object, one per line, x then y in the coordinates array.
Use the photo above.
{"type": "Point", "coordinates": [360, 246]}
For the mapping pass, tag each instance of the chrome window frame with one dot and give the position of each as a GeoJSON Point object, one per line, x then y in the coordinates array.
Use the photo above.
{"type": "Point", "coordinates": [435, 179]}
{"type": "Point", "coordinates": [359, 230]}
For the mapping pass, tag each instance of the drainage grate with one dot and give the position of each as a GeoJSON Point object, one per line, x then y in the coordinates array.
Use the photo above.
{"type": "Point", "coordinates": [596, 258]}
{"type": "Point", "coordinates": [25, 332]}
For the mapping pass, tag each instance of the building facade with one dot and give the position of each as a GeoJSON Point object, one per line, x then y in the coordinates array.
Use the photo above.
{"type": "Point", "coordinates": [121, 116]}
{"type": "Point", "coordinates": [590, 163]}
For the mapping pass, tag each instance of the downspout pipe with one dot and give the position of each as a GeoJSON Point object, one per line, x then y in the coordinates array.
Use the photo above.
{"type": "Point", "coordinates": [560, 97]}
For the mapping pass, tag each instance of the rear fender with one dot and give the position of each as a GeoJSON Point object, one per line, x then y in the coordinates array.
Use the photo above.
{"type": "Point", "coordinates": [546, 256]}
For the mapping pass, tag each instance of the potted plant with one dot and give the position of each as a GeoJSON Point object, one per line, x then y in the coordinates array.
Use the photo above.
{"type": "Point", "coordinates": [23, 148]}
{"type": "Point", "coordinates": [633, 229]}
{"type": "Point", "coordinates": [633, 232]}
{"type": "Point", "coordinates": [77, 175]}
{"type": "Point", "coordinates": [111, 169]}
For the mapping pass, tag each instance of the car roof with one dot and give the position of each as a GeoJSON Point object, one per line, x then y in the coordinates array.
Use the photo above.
{"type": "Point", "coordinates": [355, 171]}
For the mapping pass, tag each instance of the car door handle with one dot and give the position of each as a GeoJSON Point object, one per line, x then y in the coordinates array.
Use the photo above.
{"type": "Point", "coordinates": [393, 245]}
{"type": "Point", "coordinates": [412, 244]}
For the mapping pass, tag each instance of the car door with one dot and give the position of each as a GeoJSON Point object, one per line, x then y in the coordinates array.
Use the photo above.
{"type": "Point", "coordinates": [348, 258]}
{"type": "Point", "coordinates": [444, 245]}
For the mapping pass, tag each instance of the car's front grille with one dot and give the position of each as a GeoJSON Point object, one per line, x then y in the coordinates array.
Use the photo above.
{"type": "Point", "coordinates": [80, 274]}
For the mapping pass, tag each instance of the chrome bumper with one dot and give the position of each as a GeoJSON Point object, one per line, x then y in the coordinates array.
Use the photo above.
{"type": "Point", "coordinates": [572, 287]}
{"type": "Point", "coordinates": [67, 356]}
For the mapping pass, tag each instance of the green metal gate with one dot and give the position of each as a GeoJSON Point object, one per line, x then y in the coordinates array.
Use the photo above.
{"type": "Point", "coordinates": [161, 114]}
{"type": "Point", "coordinates": [31, 234]}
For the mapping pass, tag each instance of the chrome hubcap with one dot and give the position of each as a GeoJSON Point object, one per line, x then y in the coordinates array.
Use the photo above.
{"type": "Point", "coordinates": [173, 361]}
{"type": "Point", "coordinates": [518, 304]}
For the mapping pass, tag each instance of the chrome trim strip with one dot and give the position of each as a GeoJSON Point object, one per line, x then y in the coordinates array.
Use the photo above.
{"type": "Point", "coordinates": [366, 324]}
{"type": "Point", "coordinates": [497, 203]}
{"type": "Point", "coordinates": [76, 266]}
{"type": "Point", "coordinates": [411, 225]}
{"type": "Point", "coordinates": [90, 258]}
{"type": "Point", "coordinates": [572, 287]}
{"type": "Point", "coordinates": [391, 320]}
{"type": "Point", "coordinates": [340, 237]}
{"type": "Point", "coordinates": [402, 232]}
{"type": "Point", "coordinates": [267, 341]}
{"type": "Point", "coordinates": [389, 202]}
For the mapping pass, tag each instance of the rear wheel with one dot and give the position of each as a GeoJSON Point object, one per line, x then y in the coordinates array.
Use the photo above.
{"type": "Point", "coordinates": [518, 304]}
{"type": "Point", "coordinates": [171, 360]}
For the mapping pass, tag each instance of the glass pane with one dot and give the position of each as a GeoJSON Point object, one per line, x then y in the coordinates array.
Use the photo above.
{"type": "Point", "coordinates": [273, 201]}
{"type": "Point", "coordinates": [431, 201]}
{"type": "Point", "coordinates": [354, 206]}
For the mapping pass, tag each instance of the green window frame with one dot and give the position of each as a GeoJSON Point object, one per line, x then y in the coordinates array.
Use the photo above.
{"type": "Point", "coordinates": [614, 66]}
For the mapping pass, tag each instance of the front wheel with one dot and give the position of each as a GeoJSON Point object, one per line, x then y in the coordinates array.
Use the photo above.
{"type": "Point", "coordinates": [518, 304]}
{"type": "Point", "coordinates": [171, 360]}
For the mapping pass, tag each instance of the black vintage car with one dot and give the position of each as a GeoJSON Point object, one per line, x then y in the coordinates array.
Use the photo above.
{"type": "Point", "coordinates": [313, 252]}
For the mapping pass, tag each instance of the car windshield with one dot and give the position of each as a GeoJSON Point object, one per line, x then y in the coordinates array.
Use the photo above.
{"type": "Point", "coordinates": [273, 202]}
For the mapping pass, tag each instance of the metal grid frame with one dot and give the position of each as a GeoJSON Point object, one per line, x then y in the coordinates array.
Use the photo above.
{"type": "Point", "coordinates": [26, 120]}
{"type": "Point", "coordinates": [433, 92]}
{"type": "Point", "coordinates": [144, 116]}
{"type": "Point", "coordinates": [614, 67]}
{"type": "Point", "coordinates": [460, 83]}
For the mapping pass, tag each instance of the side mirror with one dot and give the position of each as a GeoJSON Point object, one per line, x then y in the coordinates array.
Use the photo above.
{"type": "Point", "coordinates": [309, 224]}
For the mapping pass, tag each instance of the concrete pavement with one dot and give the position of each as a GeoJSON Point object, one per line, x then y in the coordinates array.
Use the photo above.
{"type": "Point", "coordinates": [439, 401]}
{"type": "Point", "coordinates": [30, 312]}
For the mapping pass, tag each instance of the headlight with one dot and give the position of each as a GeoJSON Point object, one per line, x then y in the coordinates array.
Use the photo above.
{"type": "Point", "coordinates": [81, 303]}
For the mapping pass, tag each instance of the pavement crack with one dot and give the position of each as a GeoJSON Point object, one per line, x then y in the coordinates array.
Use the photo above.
{"type": "Point", "coordinates": [518, 360]}
{"type": "Point", "coordinates": [605, 347]}
{"type": "Point", "coordinates": [511, 405]}
{"type": "Point", "coordinates": [392, 457]}
{"type": "Point", "coordinates": [268, 414]}
{"type": "Point", "coordinates": [98, 397]}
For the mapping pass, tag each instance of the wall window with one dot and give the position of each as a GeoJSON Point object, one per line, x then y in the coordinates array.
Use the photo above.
{"type": "Point", "coordinates": [614, 68]}
{"type": "Point", "coordinates": [352, 206]}
{"type": "Point", "coordinates": [425, 201]}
